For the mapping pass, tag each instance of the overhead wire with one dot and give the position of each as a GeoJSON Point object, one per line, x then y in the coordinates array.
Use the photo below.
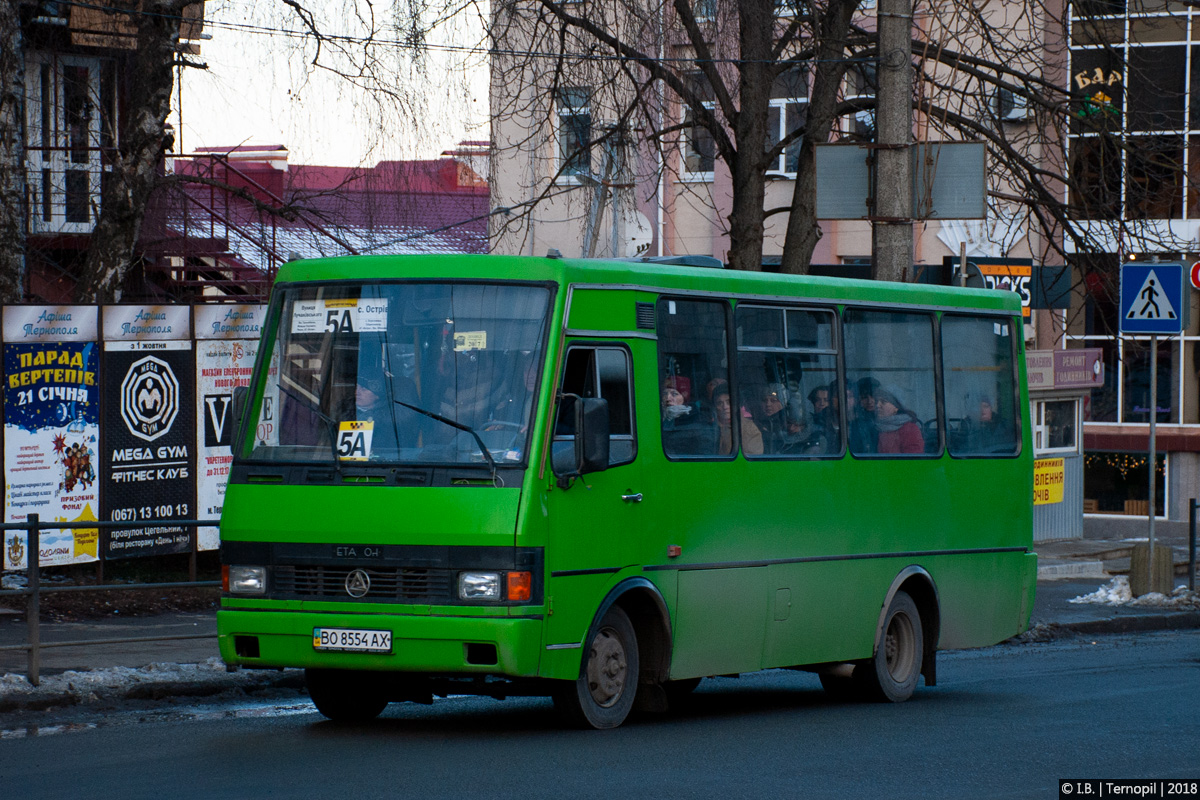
{"type": "Point", "coordinates": [341, 38]}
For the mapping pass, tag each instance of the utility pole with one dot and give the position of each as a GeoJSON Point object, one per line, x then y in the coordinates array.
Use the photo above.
{"type": "Point", "coordinates": [892, 233]}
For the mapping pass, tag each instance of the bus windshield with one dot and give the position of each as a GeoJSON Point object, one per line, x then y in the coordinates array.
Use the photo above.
{"type": "Point", "coordinates": [401, 373]}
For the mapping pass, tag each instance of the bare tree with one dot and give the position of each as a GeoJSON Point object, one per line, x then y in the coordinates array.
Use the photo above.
{"type": "Point", "coordinates": [1064, 180]}
{"type": "Point", "coordinates": [135, 166]}
{"type": "Point", "coordinates": [12, 155]}
{"type": "Point", "coordinates": [677, 74]}
{"type": "Point", "coordinates": [372, 50]}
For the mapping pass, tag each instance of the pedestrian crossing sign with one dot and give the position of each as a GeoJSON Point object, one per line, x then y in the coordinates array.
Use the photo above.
{"type": "Point", "coordinates": [1154, 298]}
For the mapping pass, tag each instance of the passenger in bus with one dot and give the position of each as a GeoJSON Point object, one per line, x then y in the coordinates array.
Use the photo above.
{"type": "Point", "coordinates": [860, 417]}
{"type": "Point", "coordinates": [825, 412]}
{"type": "Point", "coordinates": [752, 441]}
{"type": "Point", "coordinates": [986, 431]}
{"type": "Point", "coordinates": [785, 426]}
{"type": "Point", "coordinates": [773, 420]}
{"type": "Point", "coordinates": [508, 427]}
{"type": "Point", "coordinates": [516, 398]}
{"type": "Point", "coordinates": [899, 429]}
{"type": "Point", "coordinates": [685, 431]}
{"type": "Point", "coordinates": [473, 391]}
{"type": "Point", "coordinates": [675, 410]}
{"type": "Point", "coordinates": [371, 405]}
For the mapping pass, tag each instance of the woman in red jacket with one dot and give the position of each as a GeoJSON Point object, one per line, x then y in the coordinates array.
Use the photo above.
{"type": "Point", "coordinates": [899, 430]}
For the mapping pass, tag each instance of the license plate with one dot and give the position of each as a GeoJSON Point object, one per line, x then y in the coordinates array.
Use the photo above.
{"type": "Point", "coordinates": [353, 640]}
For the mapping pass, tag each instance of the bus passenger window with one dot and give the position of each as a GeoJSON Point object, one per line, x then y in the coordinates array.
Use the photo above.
{"type": "Point", "coordinates": [979, 376]}
{"type": "Point", "coordinates": [890, 375]}
{"type": "Point", "coordinates": [597, 372]}
{"type": "Point", "coordinates": [693, 363]}
{"type": "Point", "coordinates": [786, 364]}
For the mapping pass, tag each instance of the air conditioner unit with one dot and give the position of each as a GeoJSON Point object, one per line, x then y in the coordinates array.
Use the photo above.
{"type": "Point", "coordinates": [1010, 107]}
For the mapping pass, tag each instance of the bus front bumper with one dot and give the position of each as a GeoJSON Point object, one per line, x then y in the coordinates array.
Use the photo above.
{"type": "Point", "coordinates": [420, 644]}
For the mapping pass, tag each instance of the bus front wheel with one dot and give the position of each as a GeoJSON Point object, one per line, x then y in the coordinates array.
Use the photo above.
{"type": "Point", "coordinates": [345, 696]}
{"type": "Point", "coordinates": [603, 694]}
{"type": "Point", "coordinates": [891, 676]}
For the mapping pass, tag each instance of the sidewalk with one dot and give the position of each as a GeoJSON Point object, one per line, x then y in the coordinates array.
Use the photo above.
{"type": "Point", "coordinates": [183, 667]}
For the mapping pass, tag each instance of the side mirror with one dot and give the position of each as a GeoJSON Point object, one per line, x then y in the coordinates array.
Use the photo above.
{"type": "Point", "coordinates": [591, 435]}
{"type": "Point", "coordinates": [587, 451]}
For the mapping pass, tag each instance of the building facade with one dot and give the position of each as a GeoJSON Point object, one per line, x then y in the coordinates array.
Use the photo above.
{"type": "Point", "coordinates": [1088, 111]}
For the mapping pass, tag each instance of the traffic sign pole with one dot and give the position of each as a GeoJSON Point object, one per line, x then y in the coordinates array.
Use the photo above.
{"type": "Point", "coordinates": [1153, 454]}
{"type": "Point", "coordinates": [1154, 302]}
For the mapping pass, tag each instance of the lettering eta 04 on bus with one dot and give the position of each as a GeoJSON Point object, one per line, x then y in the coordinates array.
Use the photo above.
{"type": "Point", "coordinates": [605, 481]}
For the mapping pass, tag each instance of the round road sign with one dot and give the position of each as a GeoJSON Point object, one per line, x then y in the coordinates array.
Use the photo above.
{"type": "Point", "coordinates": [1195, 273]}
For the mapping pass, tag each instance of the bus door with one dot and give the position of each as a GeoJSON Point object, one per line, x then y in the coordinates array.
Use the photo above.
{"type": "Point", "coordinates": [594, 519]}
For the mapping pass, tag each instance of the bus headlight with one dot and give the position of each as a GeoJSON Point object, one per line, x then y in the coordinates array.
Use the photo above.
{"type": "Point", "coordinates": [479, 586]}
{"type": "Point", "coordinates": [246, 580]}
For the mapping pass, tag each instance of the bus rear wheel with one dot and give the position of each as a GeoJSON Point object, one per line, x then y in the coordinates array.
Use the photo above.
{"type": "Point", "coordinates": [345, 696]}
{"type": "Point", "coordinates": [603, 694]}
{"type": "Point", "coordinates": [891, 676]}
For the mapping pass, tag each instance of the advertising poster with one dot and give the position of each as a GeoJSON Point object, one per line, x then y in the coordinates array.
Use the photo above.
{"type": "Point", "coordinates": [226, 347]}
{"type": "Point", "coordinates": [149, 461]}
{"type": "Point", "coordinates": [51, 430]}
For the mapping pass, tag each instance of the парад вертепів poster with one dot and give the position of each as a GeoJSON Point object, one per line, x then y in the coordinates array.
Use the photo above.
{"type": "Point", "coordinates": [51, 430]}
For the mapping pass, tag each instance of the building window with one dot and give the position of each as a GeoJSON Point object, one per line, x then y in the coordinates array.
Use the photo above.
{"type": "Point", "coordinates": [1056, 426]}
{"type": "Point", "coordinates": [704, 10]}
{"type": "Point", "coordinates": [575, 130]}
{"type": "Point", "coordinates": [1125, 395]}
{"type": "Point", "coordinates": [1130, 75]}
{"type": "Point", "coordinates": [699, 149]}
{"type": "Point", "coordinates": [71, 119]}
{"type": "Point", "coordinates": [861, 84]}
{"type": "Point", "coordinates": [788, 112]}
{"type": "Point", "coordinates": [1119, 483]}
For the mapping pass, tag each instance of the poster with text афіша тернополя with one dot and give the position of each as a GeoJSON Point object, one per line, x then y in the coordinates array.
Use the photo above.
{"type": "Point", "coordinates": [226, 348]}
{"type": "Point", "coordinates": [51, 430]}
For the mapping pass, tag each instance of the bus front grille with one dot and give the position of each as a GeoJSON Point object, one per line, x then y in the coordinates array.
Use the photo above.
{"type": "Point", "coordinates": [389, 584]}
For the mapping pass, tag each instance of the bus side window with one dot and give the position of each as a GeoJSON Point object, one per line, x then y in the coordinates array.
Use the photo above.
{"type": "Point", "coordinates": [597, 372]}
{"type": "Point", "coordinates": [979, 379]}
{"type": "Point", "coordinates": [787, 361]}
{"type": "Point", "coordinates": [693, 358]}
{"type": "Point", "coordinates": [890, 364]}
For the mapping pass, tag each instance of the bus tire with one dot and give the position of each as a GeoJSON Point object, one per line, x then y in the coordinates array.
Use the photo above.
{"type": "Point", "coordinates": [602, 696]}
{"type": "Point", "coordinates": [891, 676]}
{"type": "Point", "coordinates": [343, 696]}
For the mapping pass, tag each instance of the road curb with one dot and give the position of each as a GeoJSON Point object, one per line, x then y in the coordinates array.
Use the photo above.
{"type": "Point", "coordinates": [248, 682]}
{"type": "Point", "coordinates": [1134, 623]}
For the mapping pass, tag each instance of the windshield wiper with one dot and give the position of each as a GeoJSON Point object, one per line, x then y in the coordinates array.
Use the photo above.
{"type": "Point", "coordinates": [330, 421]}
{"type": "Point", "coordinates": [460, 426]}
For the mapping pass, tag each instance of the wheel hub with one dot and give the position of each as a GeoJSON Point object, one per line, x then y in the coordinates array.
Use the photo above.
{"type": "Point", "coordinates": [899, 647]}
{"type": "Point", "coordinates": [607, 668]}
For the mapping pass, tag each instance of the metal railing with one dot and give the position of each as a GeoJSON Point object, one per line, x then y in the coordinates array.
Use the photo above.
{"type": "Point", "coordinates": [33, 590]}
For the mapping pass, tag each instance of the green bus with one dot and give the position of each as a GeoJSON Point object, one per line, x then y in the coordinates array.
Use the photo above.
{"type": "Point", "coordinates": [604, 481]}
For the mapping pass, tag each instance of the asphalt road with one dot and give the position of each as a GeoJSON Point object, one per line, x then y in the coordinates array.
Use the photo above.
{"type": "Point", "coordinates": [1008, 721]}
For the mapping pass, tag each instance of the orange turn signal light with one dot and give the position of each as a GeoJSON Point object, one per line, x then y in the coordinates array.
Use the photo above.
{"type": "Point", "coordinates": [520, 586]}
{"type": "Point", "coordinates": [224, 577]}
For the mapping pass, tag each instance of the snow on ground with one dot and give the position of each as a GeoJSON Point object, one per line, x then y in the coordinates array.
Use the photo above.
{"type": "Point", "coordinates": [1116, 593]}
{"type": "Point", "coordinates": [13, 580]}
{"type": "Point", "coordinates": [208, 677]}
